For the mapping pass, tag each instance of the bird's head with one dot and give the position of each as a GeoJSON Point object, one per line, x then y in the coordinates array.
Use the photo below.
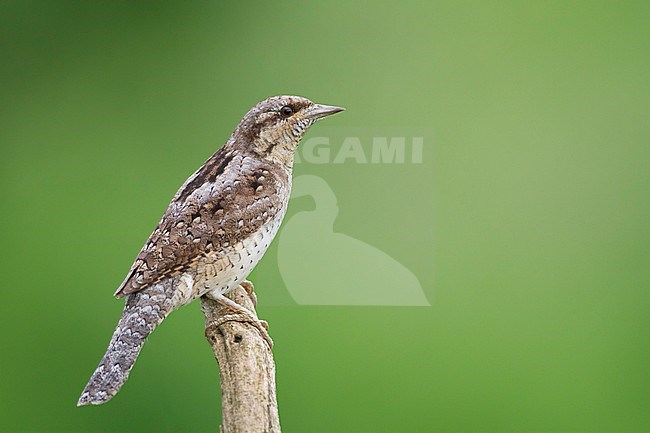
{"type": "Point", "coordinates": [273, 127]}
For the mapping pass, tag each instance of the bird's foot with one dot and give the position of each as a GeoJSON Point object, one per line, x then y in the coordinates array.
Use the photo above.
{"type": "Point", "coordinates": [246, 314]}
{"type": "Point", "coordinates": [250, 289]}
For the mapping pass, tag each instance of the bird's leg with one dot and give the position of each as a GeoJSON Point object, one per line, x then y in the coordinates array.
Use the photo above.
{"type": "Point", "coordinates": [250, 316]}
{"type": "Point", "coordinates": [250, 289]}
{"type": "Point", "coordinates": [224, 300]}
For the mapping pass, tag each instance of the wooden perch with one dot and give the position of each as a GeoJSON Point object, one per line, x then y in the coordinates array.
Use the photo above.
{"type": "Point", "coordinates": [246, 366]}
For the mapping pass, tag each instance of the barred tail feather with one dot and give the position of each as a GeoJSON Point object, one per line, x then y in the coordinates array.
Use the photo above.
{"type": "Point", "coordinates": [144, 311]}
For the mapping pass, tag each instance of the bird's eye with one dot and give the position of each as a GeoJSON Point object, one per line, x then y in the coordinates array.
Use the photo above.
{"type": "Point", "coordinates": [287, 110]}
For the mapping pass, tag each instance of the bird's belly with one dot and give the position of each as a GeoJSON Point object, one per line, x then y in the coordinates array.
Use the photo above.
{"type": "Point", "coordinates": [226, 269]}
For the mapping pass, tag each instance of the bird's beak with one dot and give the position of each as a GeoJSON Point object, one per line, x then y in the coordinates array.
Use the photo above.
{"type": "Point", "coordinates": [319, 111]}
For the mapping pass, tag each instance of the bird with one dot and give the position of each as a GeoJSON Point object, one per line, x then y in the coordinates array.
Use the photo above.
{"type": "Point", "coordinates": [215, 230]}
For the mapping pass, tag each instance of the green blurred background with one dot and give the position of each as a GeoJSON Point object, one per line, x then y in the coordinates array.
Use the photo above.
{"type": "Point", "coordinates": [527, 223]}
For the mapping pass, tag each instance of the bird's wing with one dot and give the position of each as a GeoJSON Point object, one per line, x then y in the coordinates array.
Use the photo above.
{"type": "Point", "coordinates": [221, 204]}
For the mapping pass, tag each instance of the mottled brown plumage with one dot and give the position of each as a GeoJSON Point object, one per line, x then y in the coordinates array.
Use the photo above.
{"type": "Point", "coordinates": [195, 225]}
{"type": "Point", "coordinates": [215, 230]}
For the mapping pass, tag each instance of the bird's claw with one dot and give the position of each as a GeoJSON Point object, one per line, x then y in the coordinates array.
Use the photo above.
{"type": "Point", "coordinates": [250, 290]}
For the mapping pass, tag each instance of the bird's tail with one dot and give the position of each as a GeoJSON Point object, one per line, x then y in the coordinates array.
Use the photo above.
{"type": "Point", "coordinates": [144, 311]}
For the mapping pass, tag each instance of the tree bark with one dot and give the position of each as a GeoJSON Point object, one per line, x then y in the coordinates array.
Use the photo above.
{"type": "Point", "coordinates": [246, 366]}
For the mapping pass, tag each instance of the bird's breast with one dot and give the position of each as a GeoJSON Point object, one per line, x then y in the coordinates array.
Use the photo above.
{"type": "Point", "coordinates": [227, 267]}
